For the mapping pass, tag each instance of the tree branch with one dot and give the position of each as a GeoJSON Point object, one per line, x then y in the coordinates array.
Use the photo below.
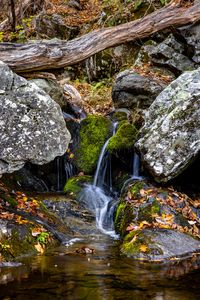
{"type": "Point", "coordinates": [43, 55]}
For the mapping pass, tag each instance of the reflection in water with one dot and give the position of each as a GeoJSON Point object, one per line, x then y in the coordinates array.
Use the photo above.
{"type": "Point", "coordinates": [63, 274]}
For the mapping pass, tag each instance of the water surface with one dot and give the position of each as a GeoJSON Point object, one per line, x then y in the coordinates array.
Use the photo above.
{"type": "Point", "coordinates": [103, 275]}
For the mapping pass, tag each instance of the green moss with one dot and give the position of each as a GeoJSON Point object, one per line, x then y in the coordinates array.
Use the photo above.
{"type": "Point", "coordinates": [74, 185]}
{"type": "Point", "coordinates": [119, 214]}
{"type": "Point", "coordinates": [11, 200]}
{"type": "Point", "coordinates": [119, 116]}
{"type": "Point", "coordinates": [93, 134]}
{"type": "Point", "coordinates": [125, 215]}
{"type": "Point", "coordinates": [124, 138]}
{"type": "Point", "coordinates": [147, 210]}
{"type": "Point", "coordinates": [133, 241]}
{"type": "Point", "coordinates": [136, 187]}
{"type": "Point", "coordinates": [16, 245]}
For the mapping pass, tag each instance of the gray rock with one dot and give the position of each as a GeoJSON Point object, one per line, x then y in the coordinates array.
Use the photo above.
{"type": "Point", "coordinates": [53, 26]}
{"type": "Point", "coordinates": [32, 126]}
{"type": "Point", "coordinates": [132, 90]}
{"type": "Point", "coordinates": [192, 36]}
{"type": "Point", "coordinates": [52, 88]}
{"type": "Point", "coordinates": [78, 219]}
{"type": "Point", "coordinates": [170, 138]}
{"type": "Point", "coordinates": [170, 54]}
{"type": "Point", "coordinates": [166, 244]}
{"type": "Point", "coordinates": [29, 181]}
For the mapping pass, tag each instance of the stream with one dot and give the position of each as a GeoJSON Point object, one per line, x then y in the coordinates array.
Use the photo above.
{"type": "Point", "coordinates": [64, 274]}
{"type": "Point", "coordinates": [104, 274]}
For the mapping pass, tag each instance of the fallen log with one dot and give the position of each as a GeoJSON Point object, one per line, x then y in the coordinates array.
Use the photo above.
{"type": "Point", "coordinates": [44, 55]}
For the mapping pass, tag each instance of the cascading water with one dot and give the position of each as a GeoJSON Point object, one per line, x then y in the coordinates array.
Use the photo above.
{"type": "Point", "coordinates": [64, 170]}
{"type": "Point", "coordinates": [135, 171]}
{"type": "Point", "coordinates": [136, 167]}
{"type": "Point", "coordinates": [95, 197]}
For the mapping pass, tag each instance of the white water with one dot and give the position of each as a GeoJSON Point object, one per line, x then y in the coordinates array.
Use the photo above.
{"type": "Point", "coordinates": [135, 172]}
{"type": "Point", "coordinates": [136, 167]}
{"type": "Point", "coordinates": [99, 165]}
{"type": "Point", "coordinates": [96, 199]}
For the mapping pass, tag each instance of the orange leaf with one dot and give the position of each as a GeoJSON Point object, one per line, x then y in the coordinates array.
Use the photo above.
{"type": "Point", "coordinates": [143, 248]}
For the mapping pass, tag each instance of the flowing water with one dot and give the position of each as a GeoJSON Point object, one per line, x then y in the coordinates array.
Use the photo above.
{"type": "Point", "coordinates": [97, 198]}
{"type": "Point", "coordinates": [135, 171]}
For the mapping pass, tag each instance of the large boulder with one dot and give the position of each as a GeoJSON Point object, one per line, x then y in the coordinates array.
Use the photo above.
{"type": "Point", "coordinates": [170, 138]}
{"type": "Point", "coordinates": [132, 90]}
{"type": "Point", "coordinates": [32, 126]}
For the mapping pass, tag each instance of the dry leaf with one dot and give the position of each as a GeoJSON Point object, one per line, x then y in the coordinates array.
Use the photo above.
{"type": "Point", "coordinates": [143, 248]}
{"type": "Point", "coordinates": [39, 248]}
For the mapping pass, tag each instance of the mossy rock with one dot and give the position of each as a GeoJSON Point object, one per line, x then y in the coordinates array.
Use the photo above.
{"type": "Point", "coordinates": [18, 242]}
{"type": "Point", "coordinates": [148, 210]}
{"type": "Point", "coordinates": [93, 134]}
{"type": "Point", "coordinates": [119, 116]}
{"type": "Point", "coordinates": [74, 184]}
{"type": "Point", "coordinates": [124, 215]}
{"type": "Point", "coordinates": [141, 245]}
{"type": "Point", "coordinates": [124, 138]}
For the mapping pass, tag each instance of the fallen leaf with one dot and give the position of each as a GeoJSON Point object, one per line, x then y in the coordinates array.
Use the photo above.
{"type": "Point", "coordinates": [132, 227]}
{"type": "Point", "coordinates": [39, 248]}
{"type": "Point", "coordinates": [143, 248]}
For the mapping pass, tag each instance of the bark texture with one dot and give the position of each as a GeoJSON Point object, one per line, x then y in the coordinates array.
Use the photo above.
{"type": "Point", "coordinates": [53, 54]}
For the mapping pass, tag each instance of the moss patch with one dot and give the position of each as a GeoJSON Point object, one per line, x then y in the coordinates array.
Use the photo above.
{"type": "Point", "coordinates": [124, 138]}
{"type": "Point", "coordinates": [139, 244]}
{"type": "Point", "coordinates": [93, 134]}
{"type": "Point", "coordinates": [119, 116]}
{"type": "Point", "coordinates": [74, 185]}
{"type": "Point", "coordinates": [148, 210]}
{"type": "Point", "coordinates": [136, 187]}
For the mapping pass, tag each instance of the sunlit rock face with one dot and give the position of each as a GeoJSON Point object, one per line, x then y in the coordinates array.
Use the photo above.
{"type": "Point", "coordinates": [170, 138]}
{"type": "Point", "coordinates": [32, 127]}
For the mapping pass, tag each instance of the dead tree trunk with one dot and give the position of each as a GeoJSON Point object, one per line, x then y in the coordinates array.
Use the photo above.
{"type": "Point", "coordinates": [43, 55]}
{"type": "Point", "coordinates": [12, 15]}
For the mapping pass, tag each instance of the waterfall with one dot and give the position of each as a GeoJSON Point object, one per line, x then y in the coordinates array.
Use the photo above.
{"type": "Point", "coordinates": [58, 174]}
{"type": "Point", "coordinates": [136, 167]}
{"type": "Point", "coordinates": [102, 164]}
{"type": "Point", "coordinates": [95, 197]}
{"type": "Point", "coordinates": [64, 170]}
{"type": "Point", "coordinates": [135, 171]}
{"type": "Point", "coordinates": [69, 169]}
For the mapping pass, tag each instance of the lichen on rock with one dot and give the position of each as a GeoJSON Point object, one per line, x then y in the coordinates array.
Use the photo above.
{"type": "Point", "coordinates": [169, 140]}
{"type": "Point", "coordinates": [32, 126]}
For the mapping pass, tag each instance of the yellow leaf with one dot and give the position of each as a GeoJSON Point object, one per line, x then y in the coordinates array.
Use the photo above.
{"type": "Point", "coordinates": [143, 248]}
{"type": "Point", "coordinates": [39, 248]}
{"type": "Point", "coordinates": [144, 224]}
{"type": "Point", "coordinates": [71, 155]}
